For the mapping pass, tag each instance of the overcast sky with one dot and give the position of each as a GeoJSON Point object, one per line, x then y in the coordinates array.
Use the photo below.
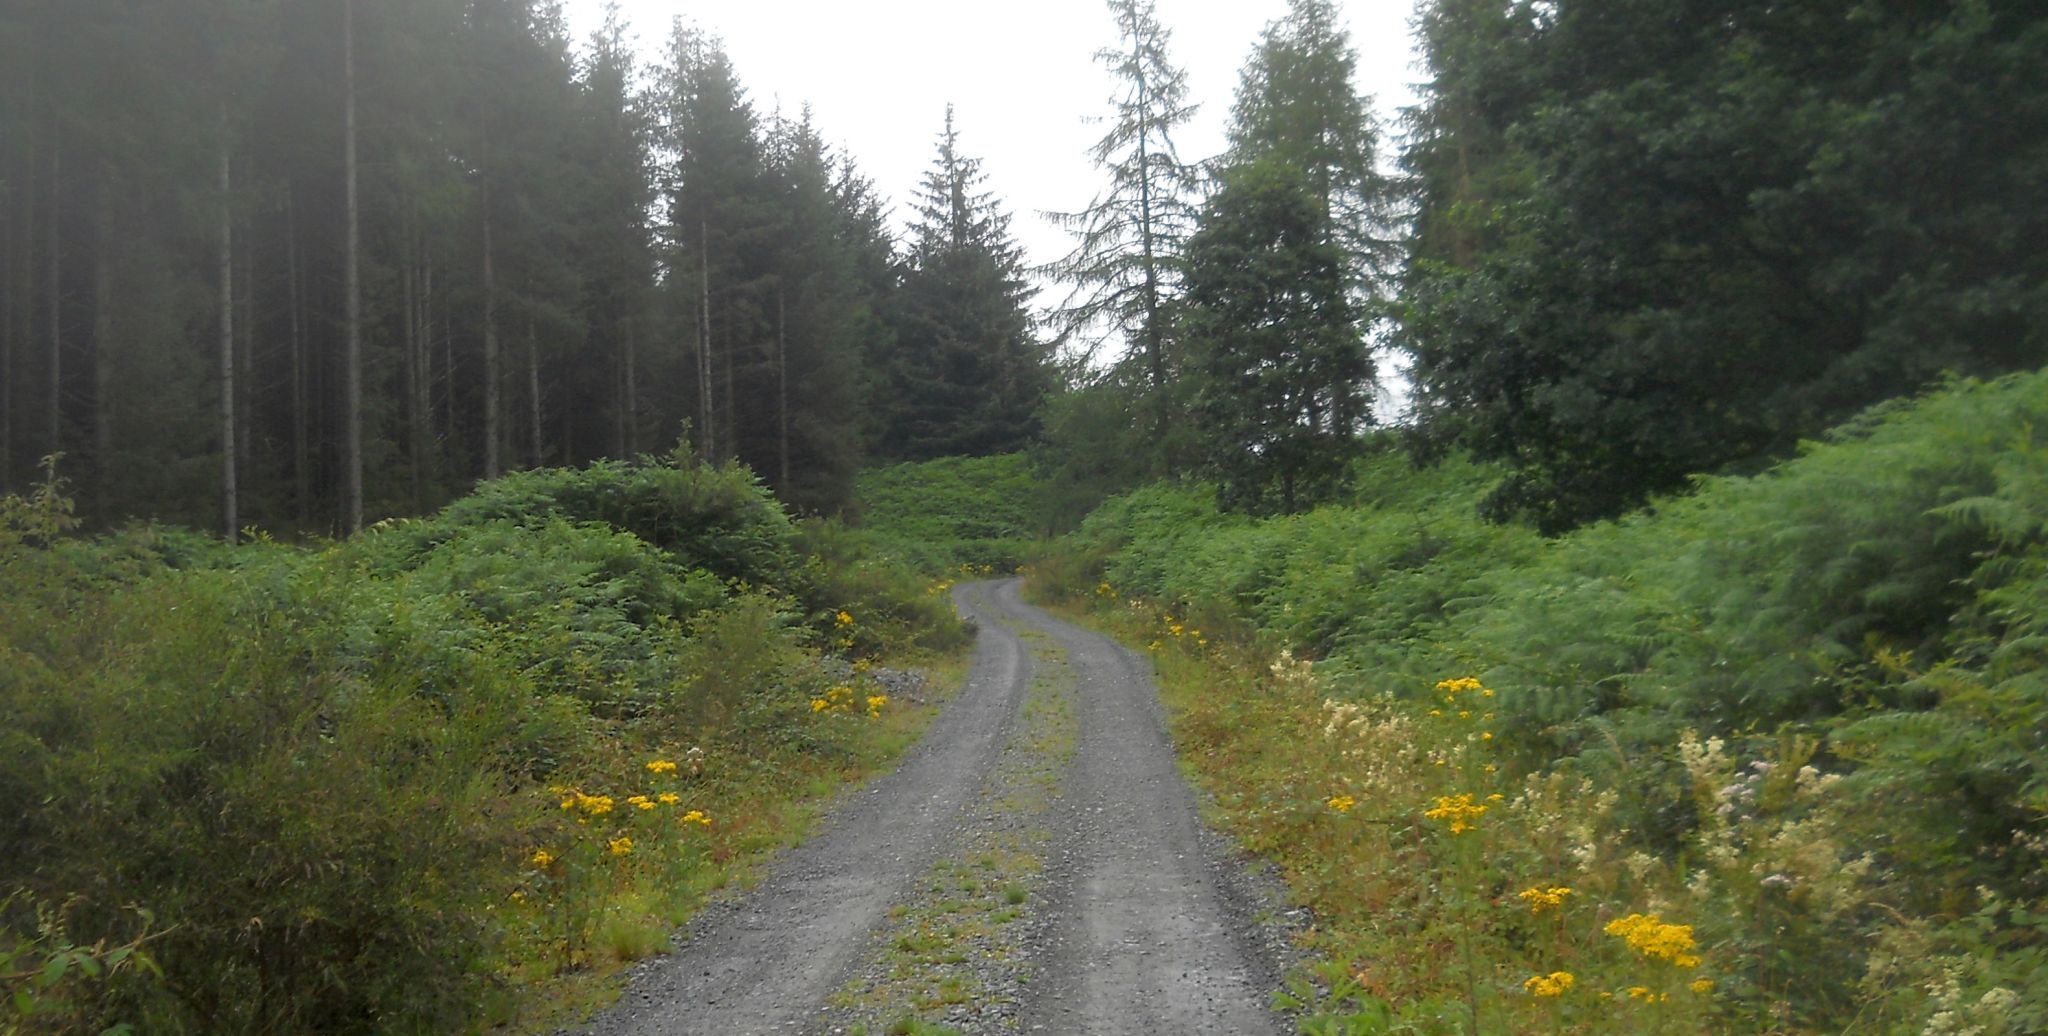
{"type": "Point", "coordinates": [1021, 76]}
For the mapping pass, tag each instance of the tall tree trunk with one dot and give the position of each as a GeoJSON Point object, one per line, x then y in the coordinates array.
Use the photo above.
{"type": "Point", "coordinates": [352, 275]}
{"type": "Point", "coordinates": [492, 434]}
{"type": "Point", "coordinates": [229, 499]}
{"type": "Point", "coordinates": [245, 353]}
{"type": "Point", "coordinates": [302, 476]}
{"type": "Point", "coordinates": [102, 348]}
{"type": "Point", "coordinates": [709, 429]}
{"type": "Point", "coordinates": [18, 292]}
{"type": "Point", "coordinates": [53, 433]}
{"type": "Point", "coordinates": [781, 395]}
{"type": "Point", "coordinates": [409, 316]}
{"type": "Point", "coordinates": [423, 393]}
{"type": "Point", "coordinates": [533, 425]}
{"type": "Point", "coordinates": [632, 393]}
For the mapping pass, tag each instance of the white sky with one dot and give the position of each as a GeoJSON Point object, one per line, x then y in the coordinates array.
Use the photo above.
{"type": "Point", "coordinates": [1022, 79]}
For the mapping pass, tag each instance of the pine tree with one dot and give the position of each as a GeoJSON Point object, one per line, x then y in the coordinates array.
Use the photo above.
{"type": "Point", "coordinates": [1126, 262]}
{"type": "Point", "coordinates": [966, 372]}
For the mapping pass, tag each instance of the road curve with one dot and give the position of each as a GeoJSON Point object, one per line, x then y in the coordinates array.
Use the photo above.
{"type": "Point", "coordinates": [1143, 921]}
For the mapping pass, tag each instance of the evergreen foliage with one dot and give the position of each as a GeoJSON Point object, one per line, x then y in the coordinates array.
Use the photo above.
{"type": "Point", "coordinates": [1654, 244]}
{"type": "Point", "coordinates": [1129, 245]}
{"type": "Point", "coordinates": [1280, 372]}
{"type": "Point", "coordinates": [966, 371]}
{"type": "Point", "coordinates": [1867, 608]}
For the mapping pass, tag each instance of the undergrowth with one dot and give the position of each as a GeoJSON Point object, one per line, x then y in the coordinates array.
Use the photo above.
{"type": "Point", "coordinates": [418, 780]}
{"type": "Point", "coordinates": [1771, 757]}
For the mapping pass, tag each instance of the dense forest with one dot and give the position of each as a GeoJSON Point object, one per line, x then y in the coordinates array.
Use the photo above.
{"type": "Point", "coordinates": [568, 430]}
{"type": "Point", "coordinates": [292, 263]}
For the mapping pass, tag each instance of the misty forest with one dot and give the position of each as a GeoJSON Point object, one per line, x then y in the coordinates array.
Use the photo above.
{"type": "Point", "coordinates": [473, 496]}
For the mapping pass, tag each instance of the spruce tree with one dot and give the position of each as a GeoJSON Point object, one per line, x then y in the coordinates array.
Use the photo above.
{"type": "Point", "coordinates": [966, 372]}
{"type": "Point", "coordinates": [1297, 102]}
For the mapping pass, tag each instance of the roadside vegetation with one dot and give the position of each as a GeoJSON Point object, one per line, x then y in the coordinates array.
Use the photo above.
{"type": "Point", "coordinates": [983, 514]}
{"type": "Point", "coordinates": [1770, 757]}
{"type": "Point", "coordinates": [408, 781]}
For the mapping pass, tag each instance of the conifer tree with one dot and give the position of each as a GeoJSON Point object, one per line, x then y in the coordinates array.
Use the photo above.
{"type": "Point", "coordinates": [1297, 102]}
{"type": "Point", "coordinates": [966, 372]}
{"type": "Point", "coordinates": [1280, 372]}
{"type": "Point", "coordinates": [1126, 262]}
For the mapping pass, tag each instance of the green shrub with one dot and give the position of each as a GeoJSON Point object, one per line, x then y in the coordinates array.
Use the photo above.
{"type": "Point", "coordinates": [943, 514]}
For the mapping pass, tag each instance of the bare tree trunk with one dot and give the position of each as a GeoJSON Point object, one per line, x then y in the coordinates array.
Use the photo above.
{"type": "Point", "coordinates": [709, 429]}
{"type": "Point", "coordinates": [352, 276]}
{"type": "Point", "coordinates": [15, 303]}
{"type": "Point", "coordinates": [423, 393]}
{"type": "Point", "coordinates": [492, 434]}
{"type": "Point", "coordinates": [534, 449]}
{"type": "Point", "coordinates": [54, 433]}
{"type": "Point", "coordinates": [245, 362]}
{"type": "Point", "coordinates": [302, 477]}
{"type": "Point", "coordinates": [632, 393]}
{"type": "Point", "coordinates": [229, 499]}
{"type": "Point", "coordinates": [102, 348]}
{"type": "Point", "coordinates": [781, 395]}
{"type": "Point", "coordinates": [409, 314]}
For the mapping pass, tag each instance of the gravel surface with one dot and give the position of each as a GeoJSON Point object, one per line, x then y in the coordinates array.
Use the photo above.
{"type": "Point", "coordinates": [1027, 869]}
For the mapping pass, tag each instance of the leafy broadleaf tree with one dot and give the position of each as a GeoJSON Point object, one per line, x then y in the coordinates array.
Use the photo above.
{"type": "Point", "coordinates": [1702, 233]}
{"type": "Point", "coordinates": [1129, 244]}
{"type": "Point", "coordinates": [1281, 373]}
{"type": "Point", "coordinates": [966, 370]}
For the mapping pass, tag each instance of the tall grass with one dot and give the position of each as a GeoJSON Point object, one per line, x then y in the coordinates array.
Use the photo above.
{"type": "Point", "coordinates": [1803, 713]}
{"type": "Point", "coordinates": [394, 783]}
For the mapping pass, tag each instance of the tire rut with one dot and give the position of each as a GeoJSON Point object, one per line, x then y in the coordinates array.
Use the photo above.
{"type": "Point", "coordinates": [1140, 920]}
{"type": "Point", "coordinates": [765, 961]}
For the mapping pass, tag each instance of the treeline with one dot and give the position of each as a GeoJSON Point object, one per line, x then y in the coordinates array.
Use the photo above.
{"type": "Point", "coordinates": [1626, 244]}
{"type": "Point", "coordinates": [293, 263]}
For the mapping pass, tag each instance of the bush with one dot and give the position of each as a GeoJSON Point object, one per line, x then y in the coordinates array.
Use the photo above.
{"type": "Point", "coordinates": [303, 790]}
{"type": "Point", "coordinates": [1867, 616]}
{"type": "Point", "coordinates": [941, 515]}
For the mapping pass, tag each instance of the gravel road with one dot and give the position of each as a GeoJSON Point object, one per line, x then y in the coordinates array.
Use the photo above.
{"type": "Point", "coordinates": [1137, 920]}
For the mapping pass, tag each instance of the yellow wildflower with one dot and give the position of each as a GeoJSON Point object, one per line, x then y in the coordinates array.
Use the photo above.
{"type": "Point", "coordinates": [1648, 935]}
{"type": "Point", "coordinates": [696, 816]}
{"type": "Point", "coordinates": [1702, 985]}
{"type": "Point", "coordinates": [661, 766]}
{"type": "Point", "coordinates": [620, 846]}
{"type": "Point", "coordinates": [1459, 811]}
{"type": "Point", "coordinates": [1554, 984]}
{"type": "Point", "coordinates": [1541, 899]}
{"type": "Point", "coordinates": [669, 798]}
{"type": "Point", "coordinates": [843, 618]}
{"type": "Point", "coordinates": [541, 857]}
{"type": "Point", "coordinates": [1341, 803]}
{"type": "Point", "coordinates": [820, 705]}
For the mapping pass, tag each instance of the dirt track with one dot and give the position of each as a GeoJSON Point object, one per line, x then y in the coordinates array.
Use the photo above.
{"type": "Point", "coordinates": [1047, 784]}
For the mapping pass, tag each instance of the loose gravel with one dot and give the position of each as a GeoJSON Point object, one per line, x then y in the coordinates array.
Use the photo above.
{"type": "Point", "coordinates": [1032, 868]}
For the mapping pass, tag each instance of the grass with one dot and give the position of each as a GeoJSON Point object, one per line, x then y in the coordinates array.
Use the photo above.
{"type": "Point", "coordinates": [1787, 725]}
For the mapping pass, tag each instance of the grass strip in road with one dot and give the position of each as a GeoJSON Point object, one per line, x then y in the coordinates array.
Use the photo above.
{"type": "Point", "coordinates": [952, 958]}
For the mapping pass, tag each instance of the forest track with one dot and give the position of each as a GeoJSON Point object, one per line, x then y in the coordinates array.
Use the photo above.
{"type": "Point", "coordinates": [1129, 916]}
